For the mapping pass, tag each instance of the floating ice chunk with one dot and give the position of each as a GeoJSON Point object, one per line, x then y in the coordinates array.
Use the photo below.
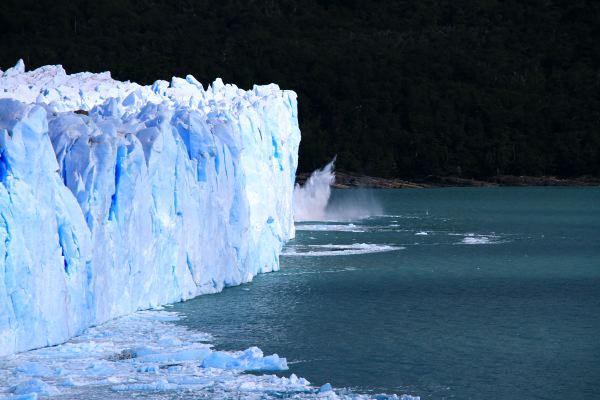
{"type": "Point", "coordinates": [100, 368]}
{"type": "Point", "coordinates": [160, 385]}
{"type": "Point", "coordinates": [34, 369]}
{"type": "Point", "coordinates": [294, 380]}
{"type": "Point", "coordinates": [28, 396]}
{"type": "Point", "coordinates": [37, 386]}
{"type": "Point", "coordinates": [326, 392]}
{"type": "Point", "coordinates": [69, 382]}
{"type": "Point", "coordinates": [148, 355]}
{"type": "Point", "coordinates": [152, 368]}
{"type": "Point", "coordinates": [325, 388]}
{"type": "Point", "coordinates": [251, 359]}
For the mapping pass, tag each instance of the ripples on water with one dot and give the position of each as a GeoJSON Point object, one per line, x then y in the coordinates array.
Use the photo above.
{"type": "Point", "coordinates": [453, 293]}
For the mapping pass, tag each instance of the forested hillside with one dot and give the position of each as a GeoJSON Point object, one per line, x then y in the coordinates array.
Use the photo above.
{"type": "Point", "coordinates": [394, 88]}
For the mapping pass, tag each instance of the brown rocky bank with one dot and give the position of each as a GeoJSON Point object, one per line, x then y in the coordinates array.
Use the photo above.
{"type": "Point", "coordinates": [346, 180]}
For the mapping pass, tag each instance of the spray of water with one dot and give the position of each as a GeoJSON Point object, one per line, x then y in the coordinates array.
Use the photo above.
{"type": "Point", "coordinates": [312, 201]}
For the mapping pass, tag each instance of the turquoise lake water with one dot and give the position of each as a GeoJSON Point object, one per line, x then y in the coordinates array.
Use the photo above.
{"type": "Point", "coordinates": [462, 293]}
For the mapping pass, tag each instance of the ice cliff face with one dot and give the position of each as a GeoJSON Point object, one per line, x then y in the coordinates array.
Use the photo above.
{"type": "Point", "coordinates": [116, 197]}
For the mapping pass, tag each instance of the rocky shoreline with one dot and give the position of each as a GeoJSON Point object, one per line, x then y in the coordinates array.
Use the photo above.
{"type": "Point", "coordinates": [345, 180]}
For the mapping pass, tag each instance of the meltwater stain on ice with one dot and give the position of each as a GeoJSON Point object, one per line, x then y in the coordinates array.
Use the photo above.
{"type": "Point", "coordinates": [313, 202]}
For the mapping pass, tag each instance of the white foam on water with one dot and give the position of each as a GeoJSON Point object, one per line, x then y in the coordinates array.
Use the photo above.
{"type": "Point", "coordinates": [319, 250]}
{"type": "Point", "coordinates": [422, 233]}
{"type": "Point", "coordinates": [146, 354]}
{"type": "Point", "coordinates": [331, 227]}
{"type": "Point", "coordinates": [318, 271]}
{"type": "Point", "coordinates": [324, 227]}
{"type": "Point", "coordinates": [472, 238]}
{"type": "Point", "coordinates": [476, 240]}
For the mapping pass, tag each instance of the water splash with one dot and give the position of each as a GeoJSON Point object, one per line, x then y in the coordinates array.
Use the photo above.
{"type": "Point", "coordinates": [310, 199]}
{"type": "Point", "coordinates": [313, 202]}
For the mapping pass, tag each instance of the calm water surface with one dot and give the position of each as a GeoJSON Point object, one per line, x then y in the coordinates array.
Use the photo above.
{"type": "Point", "coordinates": [465, 293]}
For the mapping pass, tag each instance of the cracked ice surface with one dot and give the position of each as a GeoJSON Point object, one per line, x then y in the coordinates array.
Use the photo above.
{"type": "Point", "coordinates": [116, 197]}
{"type": "Point", "coordinates": [145, 354]}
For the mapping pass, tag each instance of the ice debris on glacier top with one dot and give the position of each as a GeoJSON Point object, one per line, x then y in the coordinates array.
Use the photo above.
{"type": "Point", "coordinates": [116, 197]}
{"type": "Point", "coordinates": [51, 85]}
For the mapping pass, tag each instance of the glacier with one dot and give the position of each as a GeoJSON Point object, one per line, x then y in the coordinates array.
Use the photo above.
{"type": "Point", "coordinates": [117, 197]}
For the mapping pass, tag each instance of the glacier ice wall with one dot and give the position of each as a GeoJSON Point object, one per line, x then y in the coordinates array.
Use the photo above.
{"type": "Point", "coordinates": [116, 197]}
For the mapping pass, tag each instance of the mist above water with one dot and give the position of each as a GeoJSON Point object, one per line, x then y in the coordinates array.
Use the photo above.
{"type": "Point", "coordinates": [313, 202]}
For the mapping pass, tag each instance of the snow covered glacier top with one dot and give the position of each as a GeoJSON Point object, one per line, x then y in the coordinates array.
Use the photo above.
{"type": "Point", "coordinates": [116, 197]}
{"type": "Point", "coordinates": [51, 85]}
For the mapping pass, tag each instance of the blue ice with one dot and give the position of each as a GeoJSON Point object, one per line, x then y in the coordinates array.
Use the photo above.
{"type": "Point", "coordinates": [116, 197]}
{"type": "Point", "coordinates": [251, 359]}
